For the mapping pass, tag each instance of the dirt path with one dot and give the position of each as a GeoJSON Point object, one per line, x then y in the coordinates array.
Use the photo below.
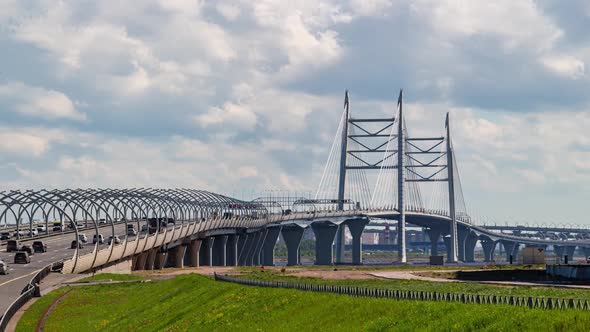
{"type": "Point", "coordinates": [340, 275]}
{"type": "Point", "coordinates": [41, 323]}
{"type": "Point", "coordinates": [411, 275]}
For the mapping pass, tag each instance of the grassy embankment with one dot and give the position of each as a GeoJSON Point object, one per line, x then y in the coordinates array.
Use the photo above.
{"type": "Point", "coordinates": [193, 302]}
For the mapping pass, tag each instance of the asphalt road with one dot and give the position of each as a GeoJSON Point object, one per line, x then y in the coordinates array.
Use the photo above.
{"type": "Point", "coordinates": [58, 248]}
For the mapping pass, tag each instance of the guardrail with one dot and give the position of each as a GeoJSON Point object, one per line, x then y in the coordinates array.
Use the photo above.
{"type": "Point", "coordinates": [31, 290]}
{"type": "Point", "coordinates": [519, 301]}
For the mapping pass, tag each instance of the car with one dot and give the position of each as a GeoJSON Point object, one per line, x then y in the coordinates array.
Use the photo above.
{"type": "Point", "coordinates": [28, 249]}
{"type": "Point", "coordinates": [75, 244]}
{"type": "Point", "coordinates": [19, 233]}
{"type": "Point", "coordinates": [32, 232]}
{"type": "Point", "coordinates": [4, 235]}
{"type": "Point", "coordinates": [22, 257]}
{"type": "Point", "coordinates": [98, 238]}
{"type": "Point", "coordinates": [115, 238]}
{"type": "Point", "coordinates": [131, 230]}
{"type": "Point", "coordinates": [41, 228]}
{"type": "Point", "coordinates": [83, 238]}
{"type": "Point", "coordinates": [3, 268]}
{"type": "Point", "coordinates": [144, 228]}
{"type": "Point", "coordinates": [12, 245]}
{"type": "Point", "coordinates": [102, 221]}
{"type": "Point", "coordinates": [39, 246]}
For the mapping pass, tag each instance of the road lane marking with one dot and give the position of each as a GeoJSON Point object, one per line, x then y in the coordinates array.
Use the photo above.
{"type": "Point", "coordinates": [9, 281]}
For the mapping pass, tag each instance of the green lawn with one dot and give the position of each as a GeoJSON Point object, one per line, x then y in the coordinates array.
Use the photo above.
{"type": "Point", "coordinates": [194, 302]}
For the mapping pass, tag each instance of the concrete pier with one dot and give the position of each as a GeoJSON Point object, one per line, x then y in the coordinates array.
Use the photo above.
{"type": "Point", "coordinates": [356, 228]}
{"type": "Point", "coordinates": [192, 257]}
{"type": "Point", "coordinates": [268, 248]}
{"type": "Point", "coordinates": [470, 244]}
{"type": "Point", "coordinates": [231, 250]}
{"type": "Point", "coordinates": [489, 247]}
{"type": "Point", "coordinates": [219, 250]}
{"type": "Point", "coordinates": [206, 252]}
{"type": "Point", "coordinates": [434, 235]}
{"type": "Point", "coordinates": [292, 235]}
{"type": "Point", "coordinates": [324, 239]}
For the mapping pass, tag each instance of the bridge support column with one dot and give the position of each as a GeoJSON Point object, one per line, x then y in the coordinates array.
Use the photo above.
{"type": "Point", "coordinates": [160, 260]}
{"type": "Point", "coordinates": [151, 258]}
{"type": "Point", "coordinates": [231, 250]}
{"type": "Point", "coordinates": [242, 242]}
{"type": "Point", "coordinates": [324, 238]}
{"type": "Point", "coordinates": [257, 254]}
{"type": "Point", "coordinates": [511, 248]}
{"type": "Point", "coordinates": [561, 251]}
{"type": "Point", "coordinates": [247, 248]}
{"type": "Point", "coordinates": [219, 253]}
{"type": "Point", "coordinates": [570, 251]}
{"type": "Point", "coordinates": [268, 248]}
{"type": "Point", "coordinates": [462, 234]}
{"type": "Point", "coordinates": [433, 235]}
{"type": "Point", "coordinates": [356, 228]}
{"type": "Point", "coordinates": [292, 235]}
{"type": "Point", "coordinates": [206, 252]}
{"type": "Point", "coordinates": [470, 243]}
{"type": "Point", "coordinates": [489, 246]}
{"type": "Point", "coordinates": [140, 261]}
{"type": "Point", "coordinates": [194, 253]}
{"type": "Point", "coordinates": [177, 255]}
{"type": "Point", "coordinates": [449, 249]}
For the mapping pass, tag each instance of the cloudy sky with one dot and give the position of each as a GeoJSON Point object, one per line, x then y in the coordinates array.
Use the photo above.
{"type": "Point", "coordinates": [235, 96]}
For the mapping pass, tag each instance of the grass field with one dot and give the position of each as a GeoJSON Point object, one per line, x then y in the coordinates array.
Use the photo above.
{"type": "Point", "coordinates": [193, 302]}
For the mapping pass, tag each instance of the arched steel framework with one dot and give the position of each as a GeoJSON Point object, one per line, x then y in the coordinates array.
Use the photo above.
{"type": "Point", "coordinates": [164, 214]}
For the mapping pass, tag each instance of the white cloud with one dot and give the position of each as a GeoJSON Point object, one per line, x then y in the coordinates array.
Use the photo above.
{"type": "Point", "coordinates": [39, 102]}
{"type": "Point", "coordinates": [233, 115]}
{"type": "Point", "coordinates": [370, 7]}
{"type": "Point", "coordinates": [22, 144]}
{"type": "Point", "coordinates": [227, 10]}
{"type": "Point", "coordinates": [567, 66]}
{"type": "Point", "coordinates": [515, 23]}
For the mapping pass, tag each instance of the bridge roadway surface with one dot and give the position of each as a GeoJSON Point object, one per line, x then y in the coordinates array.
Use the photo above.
{"type": "Point", "coordinates": [59, 244]}
{"type": "Point", "coordinates": [58, 249]}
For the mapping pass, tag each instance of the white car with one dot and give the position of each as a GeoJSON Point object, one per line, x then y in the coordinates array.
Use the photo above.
{"type": "Point", "coordinates": [41, 228]}
{"type": "Point", "coordinates": [3, 268]}
{"type": "Point", "coordinates": [131, 231]}
{"type": "Point", "coordinates": [32, 232]}
{"type": "Point", "coordinates": [115, 238]}
{"type": "Point", "coordinates": [83, 238]}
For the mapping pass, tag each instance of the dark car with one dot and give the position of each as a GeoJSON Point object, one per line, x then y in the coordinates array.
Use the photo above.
{"type": "Point", "coordinates": [22, 257]}
{"type": "Point", "coordinates": [12, 245]}
{"type": "Point", "coordinates": [39, 246]}
{"type": "Point", "coordinates": [76, 243]}
{"type": "Point", "coordinates": [28, 249]}
{"type": "Point", "coordinates": [4, 235]}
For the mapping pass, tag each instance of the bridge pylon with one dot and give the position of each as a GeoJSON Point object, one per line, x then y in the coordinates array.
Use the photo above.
{"type": "Point", "coordinates": [405, 164]}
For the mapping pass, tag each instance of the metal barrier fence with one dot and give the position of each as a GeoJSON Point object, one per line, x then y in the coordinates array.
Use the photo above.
{"type": "Point", "coordinates": [31, 290]}
{"type": "Point", "coordinates": [520, 301]}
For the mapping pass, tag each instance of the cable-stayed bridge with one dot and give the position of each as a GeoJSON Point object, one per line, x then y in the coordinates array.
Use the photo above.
{"type": "Point", "coordinates": [376, 170]}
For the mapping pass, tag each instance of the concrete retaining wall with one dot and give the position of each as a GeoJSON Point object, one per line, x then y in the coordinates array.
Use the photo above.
{"type": "Point", "coordinates": [578, 272]}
